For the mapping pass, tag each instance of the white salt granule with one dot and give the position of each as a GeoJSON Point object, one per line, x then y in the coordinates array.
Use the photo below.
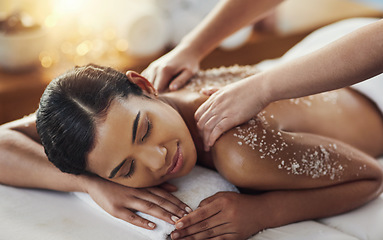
{"type": "Point", "coordinates": [218, 77]}
{"type": "Point", "coordinates": [317, 161]}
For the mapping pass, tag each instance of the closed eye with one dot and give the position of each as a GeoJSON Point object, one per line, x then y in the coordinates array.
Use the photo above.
{"type": "Point", "coordinates": [131, 170]}
{"type": "Point", "coordinates": [148, 130]}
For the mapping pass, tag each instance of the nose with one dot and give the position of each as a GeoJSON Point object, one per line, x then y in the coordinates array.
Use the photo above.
{"type": "Point", "coordinates": [153, 157]}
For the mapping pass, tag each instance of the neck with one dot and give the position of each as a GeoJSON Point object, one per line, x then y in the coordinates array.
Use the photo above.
{"type": "Point", "coordinates": [186, 103]}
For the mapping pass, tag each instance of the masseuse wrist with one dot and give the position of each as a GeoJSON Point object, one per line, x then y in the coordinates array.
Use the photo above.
{"type": "Point", "coordinates": [262, 89]}
{"type": "Point", "coordinates": [194, 48]}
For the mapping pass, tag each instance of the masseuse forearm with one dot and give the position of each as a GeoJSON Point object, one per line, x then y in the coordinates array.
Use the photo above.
{"type": "Point", "coordinates": [226, 18]}
{"type": "Point", "coordinates": [353, 58]}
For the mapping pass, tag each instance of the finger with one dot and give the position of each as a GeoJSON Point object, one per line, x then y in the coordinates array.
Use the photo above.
{"type": "Point", "coordinates": [168, 187]}
{"type": "Point", "coordinates": [172, 203]}
{"type": "Point", "coordinates": [209, 91]}
{"type": "Point", "coordinates": [134, 219]}
{"type": "Point", "coordinates": [209, 200]}
{"type": "Point", "coordinates": [208, 128]}
{"type": "Point", "coordinates": [204, 117]}
{"type": "Point", "coordinates": [180, 80]}
{"type": "Point", "coordinates": [197, 216]}
{"type": "Point", "coordinates": [163, 78]}
{"type": "Point", "coordinates": [203, 230]}
{"type": "Point", "coordinates": [150, 74]}
{"type": "Point", "coordinates": [202, 109]}
{"type": "Point", "coordinates": [152, 209]}
{"type": "Point", "coordinates": [218, 130]}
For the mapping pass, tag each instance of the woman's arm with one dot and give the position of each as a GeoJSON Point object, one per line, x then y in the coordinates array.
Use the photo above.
{"type": "Point", "coordinates": [239, 216]}
{"type": "Point", "coordinates": [23, 163]}
{"type": "Point", "coordinates": [351, 59]}
{"type": "Point", "coordinates": [226, 18]}
{"type": "Point", "coordinates": [307, 176]}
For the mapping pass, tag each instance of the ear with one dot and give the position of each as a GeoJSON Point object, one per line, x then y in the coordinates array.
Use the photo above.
{"type": "Point", "coordinates": [142, 82]}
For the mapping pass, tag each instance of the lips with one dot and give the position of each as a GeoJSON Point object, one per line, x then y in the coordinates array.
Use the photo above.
{"type": "Point", "coordinates": [177, 161]}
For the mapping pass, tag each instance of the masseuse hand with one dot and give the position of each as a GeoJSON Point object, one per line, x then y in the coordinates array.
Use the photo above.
{"type": "Point", "coordinates": [225, 214]}
{"type": "Point", "coordinates": [121, 202]}
{"type": "Point", "coordinates": [174, 68]}
{"type": "Point", "coordinates": [228, 107]}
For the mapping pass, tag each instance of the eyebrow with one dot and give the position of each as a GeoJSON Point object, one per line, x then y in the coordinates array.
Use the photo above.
{"type": "Point", "coordinates": [135, 125]}
{"type": "Point", "coordinates": [116, 169]}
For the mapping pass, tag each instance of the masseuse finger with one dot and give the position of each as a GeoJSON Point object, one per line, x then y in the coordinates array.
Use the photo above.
{"type": "Point", "coordinates": [203, 114]}
{"type": "Point", "coordinates": [163, 77]}
{"type": "Point", "coordinates": [150, 74]}
{"type": "Point", "coordinates": [180, 80]}
{"type": "Point", "coordinates": [202, 109]}
{"type": "Point", "coordinates": [209, 126]}
{"type": "Point", "coordinates": [152, 209]}
{"type": "Point", "coordinates": [222, 126]}
{"type": "Point", "coordinates": [209, 91]}
{"type": "Point", "coordinates": [179, 208]}
{"type": "Point", "coordinates": [134, 219]}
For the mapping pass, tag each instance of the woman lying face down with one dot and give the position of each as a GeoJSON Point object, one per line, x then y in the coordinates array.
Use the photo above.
{"type": "Point", "coordinates": [96, 120]}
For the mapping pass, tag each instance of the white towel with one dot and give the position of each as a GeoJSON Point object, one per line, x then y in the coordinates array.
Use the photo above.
{"type": "Point", "coordinates": [199, 184]}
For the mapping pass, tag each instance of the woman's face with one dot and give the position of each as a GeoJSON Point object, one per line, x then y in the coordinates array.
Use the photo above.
{"type": "Point", "coordinates": [142, 142]}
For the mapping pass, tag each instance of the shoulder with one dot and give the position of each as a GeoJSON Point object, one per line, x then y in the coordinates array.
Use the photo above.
{"type": "Point", "coordinates": [245, 154]}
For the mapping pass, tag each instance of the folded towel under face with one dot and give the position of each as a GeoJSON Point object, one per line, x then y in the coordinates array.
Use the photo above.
{"type": "Point", "coordinates": [199, 184]}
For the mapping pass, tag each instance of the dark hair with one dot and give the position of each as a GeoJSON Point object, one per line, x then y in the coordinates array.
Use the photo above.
{"type": "Point", "coordinates": [69, 109]}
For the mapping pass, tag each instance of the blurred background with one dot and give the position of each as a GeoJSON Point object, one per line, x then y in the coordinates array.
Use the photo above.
{"type": "Point", "coordinates": [40, 39]}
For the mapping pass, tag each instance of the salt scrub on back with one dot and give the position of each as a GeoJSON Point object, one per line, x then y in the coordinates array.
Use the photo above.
{"type": "Point", "coordinates": [316, 162]}
{"type": "Point", "coordinates": [218, 77]}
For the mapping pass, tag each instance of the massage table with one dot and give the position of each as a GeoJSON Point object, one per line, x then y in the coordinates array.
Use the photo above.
{"type": "Point", "coordinates": [48, 215]}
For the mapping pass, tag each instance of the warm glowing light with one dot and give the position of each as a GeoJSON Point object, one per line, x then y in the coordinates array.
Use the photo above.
{"type": "Point", "coordinates": [46, 61]}
{"type": "Point", "coordinates": [84, 47]}
{"type": "Point", "coordinates": [67, 48]}
{"type": "Point", "coordinates": [122, 45]}
{"type": "Point", "coordinates": [50, 21]}
{"type": "Point", "coordinates": [109, 34]}
{"type": "Point", "coordinates": [69, 7]}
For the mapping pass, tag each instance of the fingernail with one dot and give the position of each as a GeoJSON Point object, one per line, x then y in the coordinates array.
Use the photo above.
{"type": "Point", "coordinates": [188, 209]}
{"type": "Point", "coordinates": [179, 225]}
{"type": "Point", "coordinates": [151, 225]}
{"type": "Point", "coordinates": [174, 218]}
{"type": "Point", "coordinates": [175, 235]}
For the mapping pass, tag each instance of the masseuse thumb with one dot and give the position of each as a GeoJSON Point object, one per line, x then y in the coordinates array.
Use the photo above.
{"type": "Point", "coordinates": [180, 80]}
{"type": "Point", "coordinates": [209, 91]}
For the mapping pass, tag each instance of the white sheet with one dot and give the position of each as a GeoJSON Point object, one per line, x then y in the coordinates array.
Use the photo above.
{"type": "Point", "coordinates": [46, 215]}
{"type": "Point", "coordinates": [199, 184]}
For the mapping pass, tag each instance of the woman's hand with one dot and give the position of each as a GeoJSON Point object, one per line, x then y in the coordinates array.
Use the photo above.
{"type": "Point", "coordinates": [177, 67]}
{"type": "Point", "coordinates": [225, 214]}
{"type": "Point", "coordinates": [228, 107]}
{"type": "Point", "coordinates": [121, 202]}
